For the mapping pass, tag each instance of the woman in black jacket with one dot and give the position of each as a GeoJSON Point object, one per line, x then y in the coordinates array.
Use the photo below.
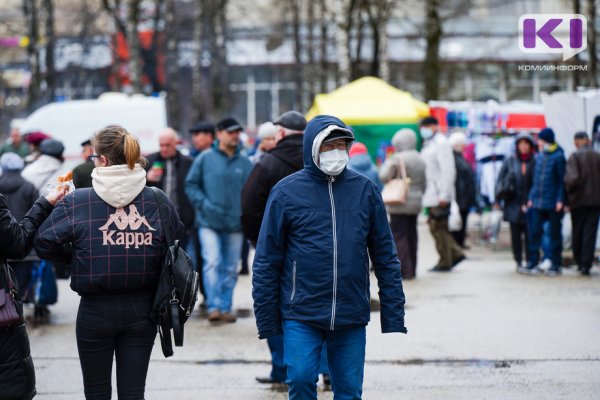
{"type": "Point", "coordinates": [114, 237]}
{"type": "Point", "coordinates": [17, 375]}
{"type": "Point", "coordinates": [512, 188]}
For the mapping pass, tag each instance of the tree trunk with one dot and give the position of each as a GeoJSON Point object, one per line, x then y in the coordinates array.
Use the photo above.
{"type": "Point", "coordinates": [593, 70]}
{"type": "Point", "coordinates": [577, 73]}
{"type": "Point", "coordinates": [219, 68]}
{"type": "Point", "coordinates": [199, 92]}
{"type": "Point", "coordinates": [172, 85]}
{"type": "Point", "coordinates": [324, 37]}
{"type": "Point", "coordinates": [113, 11]}
{"type": "Point", "coordinates": [433, 32]}
{"type": "Point", "coordinates": [50, 40]}
{"type": "Point", "coordinates": [295, 9]}
{"type": "Point", "coordinates": [33, 56]}
{"type": "Point", "coordinates": [341, 41]}
{"type": "Point", "coordinates": [133, 45]}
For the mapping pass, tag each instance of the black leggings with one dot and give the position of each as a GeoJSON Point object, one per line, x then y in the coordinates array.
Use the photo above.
{"type": "Point", "coordinates": [115, 325]}
{"type": "Point", "coordinates": [518, 233]}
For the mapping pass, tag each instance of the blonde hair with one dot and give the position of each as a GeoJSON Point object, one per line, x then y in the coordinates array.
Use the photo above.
{"type": "Point", "coordinates": [118, 146]}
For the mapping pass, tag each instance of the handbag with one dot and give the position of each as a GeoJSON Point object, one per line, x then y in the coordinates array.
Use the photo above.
{"type": "Point", "coordinates": [395, 191]}
{"type": "Point", "coordinates": [177, 289]}
{"type": "Point", "coordinates": [11, 310]}
{"type": "Point", "coordinates": [454, 219]}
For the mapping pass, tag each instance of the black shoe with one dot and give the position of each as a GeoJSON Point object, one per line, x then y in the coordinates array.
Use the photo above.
{"type": "Point", "coordinates": [458, 261]}
{"type": "Point", "coordinates": [439, 268]}
{"type": "Point", "coordinates": [244, 271]}
{"type": "Point", "coordinates": [585, 272]}
{"type": "Point", "coordinates": [267, 379]}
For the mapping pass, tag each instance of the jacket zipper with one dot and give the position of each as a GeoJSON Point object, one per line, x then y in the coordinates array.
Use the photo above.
{"type": "Point", "coordinates": [293, 282]}
{"type": "Point", "coordinates": [331, 180]}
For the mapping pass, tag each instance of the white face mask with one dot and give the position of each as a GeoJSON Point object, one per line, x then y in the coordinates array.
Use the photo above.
{"type": "Point", "coordinates": [333, 162]}
{"type": "Point", "coordinates": [426, 133]}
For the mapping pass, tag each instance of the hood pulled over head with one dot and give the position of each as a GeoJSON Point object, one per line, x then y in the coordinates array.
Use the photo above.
{"type": "Point", "coordinates": [317, 131]}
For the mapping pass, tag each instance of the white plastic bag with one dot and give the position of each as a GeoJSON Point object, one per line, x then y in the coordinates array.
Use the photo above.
{"type": "Point", "coordinates": [454, 220]}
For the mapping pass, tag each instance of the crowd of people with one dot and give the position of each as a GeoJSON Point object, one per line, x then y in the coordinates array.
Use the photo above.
{"type": "Point", "coordinates": [308, 200]}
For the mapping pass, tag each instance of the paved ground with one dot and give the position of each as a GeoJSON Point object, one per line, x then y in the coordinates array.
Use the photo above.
{"type": "Point", "coordinates": [480, 332]}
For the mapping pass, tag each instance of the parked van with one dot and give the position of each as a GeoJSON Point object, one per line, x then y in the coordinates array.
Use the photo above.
{"type": "Point", "coordinates": [72, 122]}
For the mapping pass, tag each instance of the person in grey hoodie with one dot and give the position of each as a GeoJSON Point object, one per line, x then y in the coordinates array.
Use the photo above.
{"type": "Point", "coordinates": [403, 218]}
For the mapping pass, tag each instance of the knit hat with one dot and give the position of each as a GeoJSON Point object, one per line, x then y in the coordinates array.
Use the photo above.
{"type": "Point", "coordinates": [266, 130]}
{"type": "Point", "coordinates": [357, 148]}
{"type": "Point", "coordinates": [51, 147]}
{"type": "Point", "coordinates": [457, 138]}
{"type": "Point", "coordinates": [36, 138]}
{"type": "Point", "coordinates": [405, 139]}
{"type": "Point", "coordinates": [547, 135]}
{"type": "Point", "coordinates": [11, 162]}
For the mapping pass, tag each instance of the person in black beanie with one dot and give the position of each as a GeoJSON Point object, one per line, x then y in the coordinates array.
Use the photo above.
{"type": "Point", "coordinates": [546, 203]}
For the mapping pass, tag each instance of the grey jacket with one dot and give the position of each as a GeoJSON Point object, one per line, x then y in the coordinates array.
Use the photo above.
{"type": "Point", "coordinates": [415, 170]}
{"type": "Point", "coordinates": [441, 171]}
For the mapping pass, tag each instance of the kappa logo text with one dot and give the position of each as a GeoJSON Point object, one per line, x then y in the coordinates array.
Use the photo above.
{"type": "Point", "coordinates": [122, 221]}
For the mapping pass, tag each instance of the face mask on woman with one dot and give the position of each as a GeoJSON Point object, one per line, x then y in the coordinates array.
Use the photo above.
{"type": "Point", "coordinates": [333, 162]}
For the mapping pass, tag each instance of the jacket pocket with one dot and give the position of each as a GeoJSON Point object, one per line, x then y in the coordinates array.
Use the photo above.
{"type": "Point", "coordinates": [293, 282]}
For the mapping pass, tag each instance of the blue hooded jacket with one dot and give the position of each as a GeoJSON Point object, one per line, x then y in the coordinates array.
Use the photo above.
{"type": "Point", "coordinates": [311, 262]}
{"type": "Point", "coordinates": [362, 164]}
{"type": "Point", "coordinates": [548, 179]}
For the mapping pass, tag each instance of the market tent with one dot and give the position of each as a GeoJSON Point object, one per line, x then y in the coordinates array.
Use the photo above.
{"type": "Point", "coordinates": [374, 110]}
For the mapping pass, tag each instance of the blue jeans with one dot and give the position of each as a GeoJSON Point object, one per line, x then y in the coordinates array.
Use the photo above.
{"type": "Point", "coordinates": [278, 370]}
{"type": "Point", "coordinates": [345, 352]}
{"type": "Point", "coordinates": [535, 223]}
{"type": "Point", "coordinates": [220, 255]}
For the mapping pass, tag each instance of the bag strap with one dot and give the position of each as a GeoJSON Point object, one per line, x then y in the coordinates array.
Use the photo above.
{"type": "Point", "coordinates": [176, 323]}
{"type": "Point", "coordinates": [160, 204]}
{"type": "Point", "coordinates": [403, 169]}
{"type": "Point", "coordinates": [165, 334]}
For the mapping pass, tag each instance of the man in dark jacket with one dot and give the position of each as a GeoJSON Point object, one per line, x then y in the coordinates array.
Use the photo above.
{"type": "Point", "coordinates": [582, 182]}
{"type": "Point", "coordinates": [465, 185]}
{"type": "Point", "coordinates": [546, 202]}
{"type": "Point", "coordinates": [284, 159]}
{"type": "Point", "coordinates": [311, 268]}
{"type": "Point", "coordinates": [17, 375]}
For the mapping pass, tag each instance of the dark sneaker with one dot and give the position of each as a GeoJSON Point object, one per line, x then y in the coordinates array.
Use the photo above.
{"type": "Point", "coordinates": [439, 268]}
{"type": "Point", "coordinates": [585, 272]}
{"type": "Point", "coordinates": [267, 379]}
{"type": "Point", "coordinates": [458, 261]}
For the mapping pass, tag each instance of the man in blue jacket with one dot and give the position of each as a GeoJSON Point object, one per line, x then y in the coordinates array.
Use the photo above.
{"type": "Point", "coordinates": [214, 185]}
{"type": "Point", "coordinates": [311, 267]}
{"type": "Point", "coordinates": [546, 203]}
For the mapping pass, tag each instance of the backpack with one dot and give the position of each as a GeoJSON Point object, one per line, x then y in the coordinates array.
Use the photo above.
{"type": "Point", "coordinates": [177, 289]}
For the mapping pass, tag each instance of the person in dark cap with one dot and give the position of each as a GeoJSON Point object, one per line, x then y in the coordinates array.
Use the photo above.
{"type": "Point", "coordinates": [82, 174]}
{"type": "Point", "coordinates": [283, 160]}
{"type": "Point", "coordinates": [582, 183]}
{"type": "Point", "coordinates": [213, 186]}
{"type": "Point", "coordinates": [546, 203]}
{"type": "Point", "coordinates": [47, 166]}
{"type": "Point", "coordinates": [203, 136]}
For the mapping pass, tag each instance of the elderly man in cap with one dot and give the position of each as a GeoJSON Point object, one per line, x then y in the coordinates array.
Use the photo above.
{"type": "Point", "coordinates": [203, 136]}
{"type": "Point", "coordinates": [582, 182]}
{"type": "Point", "coordinates": [214, 185]}
{"type": "Point", "coordinates": [311, 268]}
{"type": "Point", "coordinates": [16, 145]}
{"type": "Point", "coordinates": [82, 174]}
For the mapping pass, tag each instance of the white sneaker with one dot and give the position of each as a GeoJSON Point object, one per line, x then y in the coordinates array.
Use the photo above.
{"type": "Point", "coordinates": [545, 265]}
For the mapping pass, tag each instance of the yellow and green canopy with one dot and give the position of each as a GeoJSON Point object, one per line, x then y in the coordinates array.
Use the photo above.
{"type": "Point", "coordinates": [374, 110]}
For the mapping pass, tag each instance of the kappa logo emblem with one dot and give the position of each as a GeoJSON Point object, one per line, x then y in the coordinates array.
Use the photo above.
{"type": "Point", "coordinates": [122, 221]}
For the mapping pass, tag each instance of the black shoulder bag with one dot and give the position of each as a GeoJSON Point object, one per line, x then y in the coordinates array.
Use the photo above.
{"type": "Point", "coordinates": [177, 289]}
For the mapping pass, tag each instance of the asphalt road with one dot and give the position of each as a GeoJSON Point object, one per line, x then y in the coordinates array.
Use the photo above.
{"type": "Point", "coordinates": [480, 332]}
